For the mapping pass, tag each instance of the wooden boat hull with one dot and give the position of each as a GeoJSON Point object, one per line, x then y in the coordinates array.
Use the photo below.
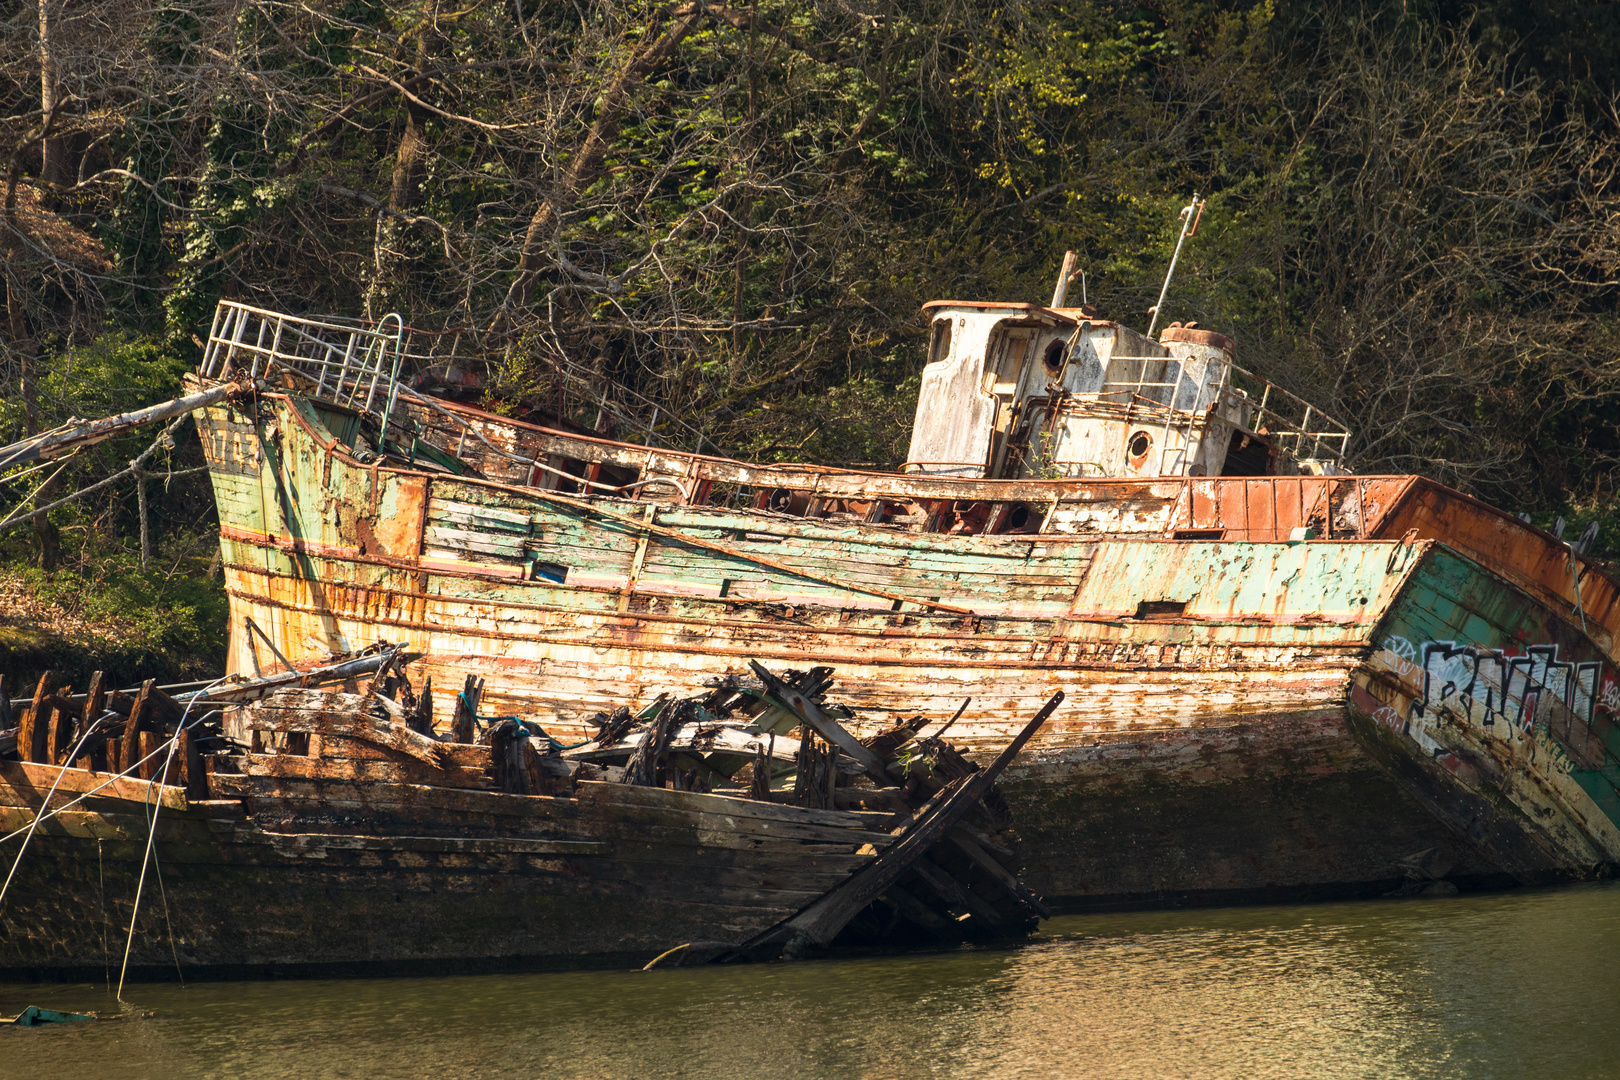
{"type": "Point", "coordinates": [1224, 738]}
{"type": "Point", "coordinates": [283, 878]}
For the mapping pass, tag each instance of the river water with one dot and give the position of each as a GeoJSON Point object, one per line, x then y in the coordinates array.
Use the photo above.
{"type": "Point", "coordinates": [1521, 984]}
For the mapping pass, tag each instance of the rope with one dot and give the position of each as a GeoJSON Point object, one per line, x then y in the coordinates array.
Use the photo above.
{"type": "Point", "coordinates": [151, 835]}
{"type": "Point", "coordinates": [133, 466]}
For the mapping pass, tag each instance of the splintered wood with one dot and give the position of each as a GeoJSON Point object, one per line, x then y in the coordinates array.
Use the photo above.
{"type": "Point", "coordinates": [930, 850]}
{"type": "Point", "coordinates": [958, 877]}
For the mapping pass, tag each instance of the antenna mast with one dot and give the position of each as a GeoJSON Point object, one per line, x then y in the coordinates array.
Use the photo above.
{"type": "Point", "coordinates": [1191, 215]}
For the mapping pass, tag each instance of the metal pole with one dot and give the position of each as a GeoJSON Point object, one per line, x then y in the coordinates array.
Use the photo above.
{"type": "Point", "coordinates": [1188, 226]}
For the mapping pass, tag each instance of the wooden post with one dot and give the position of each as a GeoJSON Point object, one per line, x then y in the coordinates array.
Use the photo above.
{"type": "Point", "coordinates": [132, 727]}
{"type": "Point", "coordinates": [759, 786]}
{"type": "Point", "coordinates": [421, 717]}
{"type": "Point", "coordinates": [192, 773]}
{"type": "Point", "coordinates": [95, 703]}
{"type": "Point", "coordinates": [59, 728]}
{"type": "Point", "coordinates": [463, 722]}
{"type": "Point", "coordinates": [31, 733]}
{"type": "Point", "coordinates": [147, 743]}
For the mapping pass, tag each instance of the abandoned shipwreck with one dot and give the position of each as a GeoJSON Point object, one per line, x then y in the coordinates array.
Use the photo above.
{"type": "Point", "coordinates": [1284, 681]}
{"type": "Point", "coordinates": [272, 827]}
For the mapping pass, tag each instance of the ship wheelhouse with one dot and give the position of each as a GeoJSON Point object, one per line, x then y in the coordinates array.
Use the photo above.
{"type": "Point", "coordinates": [1020, 391]}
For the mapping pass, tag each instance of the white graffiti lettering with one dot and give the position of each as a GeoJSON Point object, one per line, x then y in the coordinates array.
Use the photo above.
{"type": "Point", "coordinates": [1490, 685]}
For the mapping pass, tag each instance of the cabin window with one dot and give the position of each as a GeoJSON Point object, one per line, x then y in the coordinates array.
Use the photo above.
{"type": "Point", "coordinates": [1198, 534]}
{"type": "Point", "coordinates": [940, 347]}
{"type": "Point", "coordinates": [1247, 455]}
{"type": "Point", "coordinates": [547, 571]}
{"type": "Point", "coordinates": [1161, 610]}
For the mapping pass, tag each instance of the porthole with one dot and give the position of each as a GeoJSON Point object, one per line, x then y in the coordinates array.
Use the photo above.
{"type": "Point", "coordinates": [1137, 449]}
{"type": "Point", "coordinates": [1052, 358]}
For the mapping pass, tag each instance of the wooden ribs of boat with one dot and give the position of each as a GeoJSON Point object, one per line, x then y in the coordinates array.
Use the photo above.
{"type": "Point", "coordinates": [282, 854]}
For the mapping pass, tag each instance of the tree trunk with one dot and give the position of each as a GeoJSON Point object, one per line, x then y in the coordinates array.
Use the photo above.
{"type": "Point", "coordinates": [47, 541]}
{"type": "Point", "coordinates": [393, 240]}
{"type": "Point", "coordinates": [53, 151]}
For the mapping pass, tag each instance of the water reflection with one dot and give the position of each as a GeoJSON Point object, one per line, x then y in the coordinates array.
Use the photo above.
{"type": "Point", "coordinates": [1521, 985]}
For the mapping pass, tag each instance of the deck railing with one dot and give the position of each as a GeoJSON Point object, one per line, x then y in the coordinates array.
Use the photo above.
{"type": "Point", "coordinates": [352, 364]}
{"type": "Point", "coordinates": [1256, 404]}
{"type": "Point", "coordinates": [359, 363]}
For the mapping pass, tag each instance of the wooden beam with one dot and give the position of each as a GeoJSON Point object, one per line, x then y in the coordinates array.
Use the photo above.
{"type": "Point", "coordinates": [31, 733]}
{"type": "Point", "coordinates": [998, 873]}
{"type": "Point", "coordinates": [58, 720]}
{"type": "Point", "coordinates": [821, 922]}
{"type": "Point", "coordinates": [311, 712]}
{"type": "Point", "coordinates": [956, 894]}
{"type": "Point", "coordinates": [823, 725]}
{"type": "Point", "coordinates": [132, 726]}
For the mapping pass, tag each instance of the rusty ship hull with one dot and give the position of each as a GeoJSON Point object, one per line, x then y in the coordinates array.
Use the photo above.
{"type": "Point", "coordinates": [1253, 716]}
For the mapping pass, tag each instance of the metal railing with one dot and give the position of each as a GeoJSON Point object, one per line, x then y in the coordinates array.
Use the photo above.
{"type": "Point", "coordinates": [1286, 419]}
{"type": "Point", "coordinates": [349, 363]}
{"type": "Point", "coordinates": [1257, 405]}
{"type": "Point", "coordinates": [359, 363]}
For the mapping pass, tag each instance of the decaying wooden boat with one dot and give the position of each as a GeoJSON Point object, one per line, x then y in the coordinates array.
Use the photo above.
{"type": "Point", "coordinates": [1285, 682]}
{"type": "Point", "coordinates": [342, 835]}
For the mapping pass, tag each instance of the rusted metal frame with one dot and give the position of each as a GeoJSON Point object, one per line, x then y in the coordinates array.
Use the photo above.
{"type": "Point", "coordinates": [1169, 415]}
{"type": "Point", "coordinates": [878, 485]}
{"type": "Point", "coordinates": [343, 365]}
{"type": "Point", "coordinates": [535, 463]}
{"type": "Point", "coordinates": [1175, 508]}
{"type": "Point", "coordinates": [211, 350]}
{"type": "Point", "coordinates": [258, 349]}
{"type": "Point", "coordinates": [236, 342]}
{"type": "Point", "coordinates": [875, 484]}
{"type": "Point", "coordinates": [1248, 520]}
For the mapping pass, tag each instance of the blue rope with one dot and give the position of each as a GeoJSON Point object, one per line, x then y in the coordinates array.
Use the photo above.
{"type": "Point", "coordinates": [529, 725]}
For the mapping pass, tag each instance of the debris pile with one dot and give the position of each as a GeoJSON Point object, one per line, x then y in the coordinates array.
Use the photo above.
{"type": "Point", "coordinates": [726, 742]}
{"type": "Point", "coordinates": [764, 805]}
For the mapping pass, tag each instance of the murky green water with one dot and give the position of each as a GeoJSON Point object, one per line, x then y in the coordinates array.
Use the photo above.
{"type": "Point", "coordinates": [1518, 985]}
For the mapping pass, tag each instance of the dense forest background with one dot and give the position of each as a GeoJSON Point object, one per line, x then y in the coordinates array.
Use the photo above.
{"type": "Point", "coordinates": [733, 214]}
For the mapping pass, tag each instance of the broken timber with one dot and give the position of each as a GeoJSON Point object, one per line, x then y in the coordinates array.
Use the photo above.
{"type": "Point", "coordinates": [681, 834]}
{"type": "Point", "coordinates": [822, 921]}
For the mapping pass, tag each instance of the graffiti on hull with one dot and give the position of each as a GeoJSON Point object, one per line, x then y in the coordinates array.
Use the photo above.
{"type": "Point", "coordinates": [1492, 685]}
{"type": "Point", "coordinates": [1527, 689]}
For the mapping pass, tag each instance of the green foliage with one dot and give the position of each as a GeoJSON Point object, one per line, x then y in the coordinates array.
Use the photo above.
{"type": "Point", "coordinates": [114, 373]}
{"type": "Point", "coordinates": [174, 624]}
